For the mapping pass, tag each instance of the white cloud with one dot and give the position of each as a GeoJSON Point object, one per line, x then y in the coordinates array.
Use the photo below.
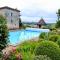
{"type": "Point", "coordinates": [30, 19]}
{"type": "Point", "coordinates": [34, 8]}
{"type": "Point", "coordinates": [48, 5]}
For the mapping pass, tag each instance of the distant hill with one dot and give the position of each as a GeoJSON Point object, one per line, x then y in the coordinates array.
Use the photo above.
{"type": "Point", "coordinates": [34, 23]}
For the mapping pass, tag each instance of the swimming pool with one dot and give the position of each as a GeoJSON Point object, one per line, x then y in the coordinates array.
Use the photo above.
{"type": "Point", "coordinates": [18, 36]}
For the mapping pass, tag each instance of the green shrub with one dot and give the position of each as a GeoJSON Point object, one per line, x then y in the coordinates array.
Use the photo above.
{"type": "Point", "coordinates": [52, 33]}
{"type": "Point", "coordinates": [58, 42]}
{"type": "Point", "coordinates": [15, 55]}
{"type": "Point", "coordinates": [41, 57]}
{"type": "Point", "coordinates": [48, 48]}
{"type": "Point", "coordinates": [49, 36]}
{"type": "Point", "coordinates": [1, 54]}
{"type": "Point", "coordinates": [12, 57]}
{"type": "Point", "coordinates": [3, 33]}
{"type": "Point", "coordinates": [43, 35]}
{"type": "Point", "coordinates": [53, 38]}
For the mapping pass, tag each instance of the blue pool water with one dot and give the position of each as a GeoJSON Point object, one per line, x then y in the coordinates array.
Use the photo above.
{"type": "Point", "coordinates": [16, 37]}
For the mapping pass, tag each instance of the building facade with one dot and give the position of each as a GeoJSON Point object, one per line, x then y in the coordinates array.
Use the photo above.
{"type": "Point", "coordinates": [12, 16]}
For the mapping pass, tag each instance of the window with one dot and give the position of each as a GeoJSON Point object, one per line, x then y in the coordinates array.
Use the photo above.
{"type": "Point", "coordinates": [11, 14]}
{"type": "Point", "coordinates": [6, 14]}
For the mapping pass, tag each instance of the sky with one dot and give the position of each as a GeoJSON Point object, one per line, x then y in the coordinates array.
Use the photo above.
{"type": "Point", "coordinates": [34, 10]}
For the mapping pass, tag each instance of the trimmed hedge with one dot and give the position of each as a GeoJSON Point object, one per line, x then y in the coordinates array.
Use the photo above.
{"type": "Point", "coordinates": [48, 48]}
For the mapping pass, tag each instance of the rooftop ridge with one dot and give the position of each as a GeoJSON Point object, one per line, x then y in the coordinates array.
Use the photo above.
{"type": "Point", "coordinates": [6, 7]}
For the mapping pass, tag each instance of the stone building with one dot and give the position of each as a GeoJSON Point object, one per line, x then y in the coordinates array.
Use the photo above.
{"type": "Point", "coordinates": [12, 15]}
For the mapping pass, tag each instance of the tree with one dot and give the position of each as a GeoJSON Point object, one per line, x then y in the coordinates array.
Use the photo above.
{"type": "Point", "coordinates": [58, 24]}
{"type": "Point", "coordinates": [3, 33]}
{"type": "Point", "coordinates": [58, 14]}
{"type": "Point", "coordinates": [58, 21]}
{"type": "Point", "coordinates": [20, 23]}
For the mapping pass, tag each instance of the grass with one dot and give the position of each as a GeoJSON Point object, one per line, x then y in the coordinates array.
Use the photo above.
{"type": "Point", "coordinates": [27, 49]}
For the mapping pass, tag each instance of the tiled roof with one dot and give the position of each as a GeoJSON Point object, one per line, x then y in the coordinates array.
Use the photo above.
{"type": "Point", "coordinates": [6, 7]}
{"type": "Point", "coordinates": [41, 21]}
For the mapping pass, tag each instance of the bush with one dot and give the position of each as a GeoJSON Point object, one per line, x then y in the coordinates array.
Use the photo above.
{"type": "Point", "coordinates": [43, 35]}
{"type": "Point", "coordinates": [12, 57]}
{"type": "Point", "coordinates": [41, 57]}
{"type": "Point", "coordinates": [48, 48]}
{"type": "Point", "coordinates": [3, 33]}
{"type": "Point", "coordinates": [52, 33]}
{"type": "Point", "coordinates": [58, 42]}
{"type": "Point", "coordinates": [1, 55]}
{"type": "Point", "coordinates": [53, 29]}
{"type": "Point", "coordinates": [53, 38]}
